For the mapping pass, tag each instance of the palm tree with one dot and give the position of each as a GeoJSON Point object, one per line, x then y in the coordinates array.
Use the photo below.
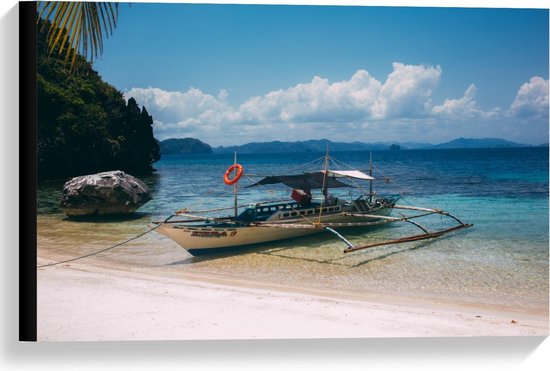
{"type": "Point", "coordinates": [78, 27]}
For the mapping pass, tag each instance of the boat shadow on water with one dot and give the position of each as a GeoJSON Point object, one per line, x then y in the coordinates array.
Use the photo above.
{"type": "Point", "coordinates": [106, 218]}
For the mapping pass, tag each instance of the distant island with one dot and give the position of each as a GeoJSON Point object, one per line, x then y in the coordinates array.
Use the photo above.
{"type": "Point", "coordinates": [184, 146]}
{"type": "Point", "coordinates": [478, 143]}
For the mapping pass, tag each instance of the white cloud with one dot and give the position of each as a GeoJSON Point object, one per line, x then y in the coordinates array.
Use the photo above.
{"type": "Point", "coordinates": [175, 106]}
{"type": "Point", "coordinates": [177, 113]}
{"type": "Point", "coordinates": [404, 94]}
{"type": "Point", "coordinates": [531, 99]}
{"type": "Point", "coordinates": [400, 107]}
{"type": "Point", "coordinates": [463, 108]}
{"type": "Point", "coordinates": [407, 90]}
{"type": "Point", "coordinates": [317, 101]}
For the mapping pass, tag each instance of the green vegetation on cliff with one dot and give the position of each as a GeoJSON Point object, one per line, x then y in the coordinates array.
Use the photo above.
{"type": "Point", "coordinates": [84, 124]}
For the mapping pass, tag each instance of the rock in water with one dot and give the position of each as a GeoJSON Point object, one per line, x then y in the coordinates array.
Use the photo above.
{"type": "Point", "coordinates": [111, 192]}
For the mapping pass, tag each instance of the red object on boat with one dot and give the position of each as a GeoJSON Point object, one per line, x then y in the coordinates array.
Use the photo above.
{"type": "Point", "coordinates": [298, 195]}
{"type": "Point", "coordinates": [302, 197]}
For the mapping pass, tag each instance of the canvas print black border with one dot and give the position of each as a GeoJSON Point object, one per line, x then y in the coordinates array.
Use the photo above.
{"type": "Point", "coordinates": [27, 172]}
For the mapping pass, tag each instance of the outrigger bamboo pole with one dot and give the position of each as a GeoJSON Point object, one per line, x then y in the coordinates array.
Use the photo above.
{"type": "Point", "coordinates": [404, 207]}
{"type": "Point", "coordinates": [418, 237]}
{"type": "Point", "coordinates": [288, 225]}
{"type": "Point", "coordinates": [350, 245]}
{"type": "Point", "coordinates": [390, 218]}
{"type": "Point", "coordinates": [441, 212]}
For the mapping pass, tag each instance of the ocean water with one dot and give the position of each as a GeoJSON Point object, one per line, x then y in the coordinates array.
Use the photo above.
{"type": "Point", "coordinates": [500, 263]}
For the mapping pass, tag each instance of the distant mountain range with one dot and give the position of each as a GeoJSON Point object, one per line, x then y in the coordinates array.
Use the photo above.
{"type": "Point", "coordinates": [195, 146]}
{"type": "Point", "coordinates": [321, 145]}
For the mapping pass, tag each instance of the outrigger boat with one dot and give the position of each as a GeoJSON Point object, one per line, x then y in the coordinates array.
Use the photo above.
{"type": "Point", "coordinates": [303, 215]}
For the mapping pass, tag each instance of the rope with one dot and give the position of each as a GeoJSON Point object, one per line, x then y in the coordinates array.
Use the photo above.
{"type": "Point", "coordinates": [187, 210]}
{"type": "Point", "coordinates": [100, 251]}
{"type": "Point", "coordinates": [305, 165]}
{"type": "Point", "coordinates": [402, 191]}
{"type": "Point", "coordinates": [202, 196]}
{"type": "Point", "coordinates": [339, 164]}
{"type": "Point", "coordinates": [406, 201]}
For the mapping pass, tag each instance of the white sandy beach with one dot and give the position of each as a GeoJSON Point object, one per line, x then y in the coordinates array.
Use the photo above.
{"type": "Point", "coordinates": [86, 302]}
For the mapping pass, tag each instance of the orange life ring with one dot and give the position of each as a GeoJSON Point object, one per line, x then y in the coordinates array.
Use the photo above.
{"type": "Point", "coordinates": [226, 179]}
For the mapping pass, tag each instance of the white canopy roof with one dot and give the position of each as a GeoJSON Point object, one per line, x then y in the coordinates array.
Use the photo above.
{"type": "Point", "coordinates": [349, 174]}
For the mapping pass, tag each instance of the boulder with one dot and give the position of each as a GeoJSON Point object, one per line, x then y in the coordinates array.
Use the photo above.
{"type": "Point", "coordinates": [107, 193]}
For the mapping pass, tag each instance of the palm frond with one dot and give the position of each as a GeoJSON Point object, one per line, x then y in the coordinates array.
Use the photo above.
{"type": "Point", "coordinates": [78, 27]}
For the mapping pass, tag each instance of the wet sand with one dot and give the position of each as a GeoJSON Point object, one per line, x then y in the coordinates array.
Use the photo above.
{"type": "Point", "coordinates": [93, 299]}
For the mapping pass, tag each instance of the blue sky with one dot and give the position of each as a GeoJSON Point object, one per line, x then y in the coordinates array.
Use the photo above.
{"type": "Point", "coordinates": [231, 74]}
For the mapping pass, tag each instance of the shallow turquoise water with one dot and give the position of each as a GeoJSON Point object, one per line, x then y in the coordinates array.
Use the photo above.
{"type": "Point", "coordinates": [501, 262]}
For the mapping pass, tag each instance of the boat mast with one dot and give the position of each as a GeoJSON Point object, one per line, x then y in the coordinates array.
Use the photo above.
{"type": "Point", "coordinates": [370, 173]}
{"type": "Point", "coordinates": [235, 191]}
{"type": "Point", "coordinates": [324, 189]}
{"type": "Point", "coordinates": [325, 166]}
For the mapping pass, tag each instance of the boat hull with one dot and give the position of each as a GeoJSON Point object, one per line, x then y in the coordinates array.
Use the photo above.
{"type": "Point", "coordinates": [201, 239]}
